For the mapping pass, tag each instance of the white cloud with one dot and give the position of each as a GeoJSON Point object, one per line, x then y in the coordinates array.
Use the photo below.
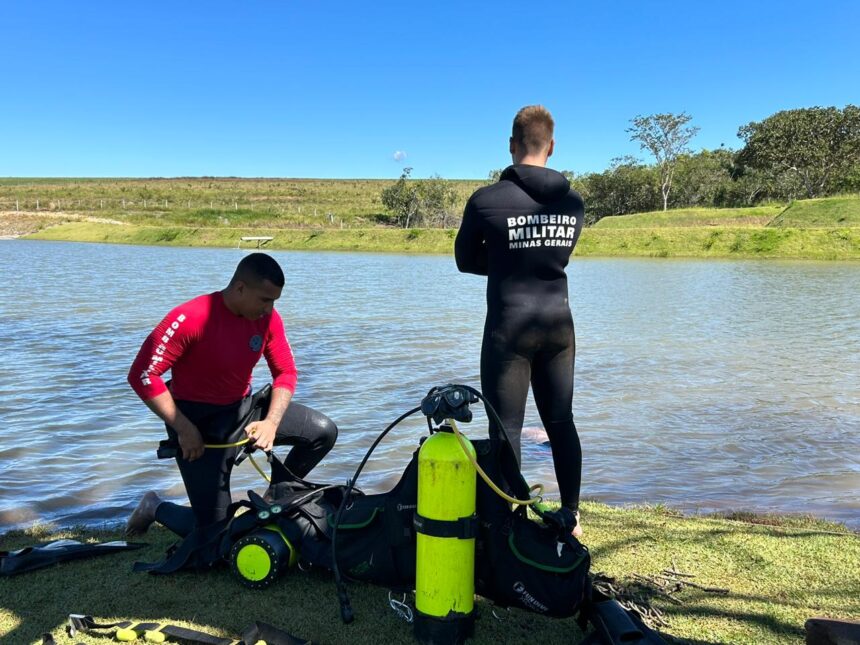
{"type": "Point", "coordinates": [399, 155]}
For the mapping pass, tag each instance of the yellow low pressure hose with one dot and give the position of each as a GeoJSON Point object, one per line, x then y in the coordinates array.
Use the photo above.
{"type": "Point", "coordinates": [498, 491]}
{"type": "Point", "coordinates": [227, 445]}
{"type": "Point", "coordinates": [236, 444]}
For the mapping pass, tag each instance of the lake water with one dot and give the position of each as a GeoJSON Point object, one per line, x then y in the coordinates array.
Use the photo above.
{"type": "Point", "coordinates": [703, 385]}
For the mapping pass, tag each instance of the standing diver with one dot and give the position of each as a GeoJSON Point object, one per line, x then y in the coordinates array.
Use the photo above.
{"type": "Point", "coordinates": [520, 233]}
{"type": "Point", "coordinates": [211, 344]}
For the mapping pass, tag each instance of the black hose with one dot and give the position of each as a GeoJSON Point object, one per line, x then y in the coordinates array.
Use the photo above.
{"type": "Point", "coordinates": [345, 607]}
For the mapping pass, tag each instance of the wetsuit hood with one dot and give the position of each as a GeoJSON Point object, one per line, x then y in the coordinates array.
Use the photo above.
{"type": "Point", "coordinates": [543, 185]}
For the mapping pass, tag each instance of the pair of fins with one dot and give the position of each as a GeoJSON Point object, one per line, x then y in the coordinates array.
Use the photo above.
{"type": "Point", "coordinates": [44, 555]}
{"type": "Point", "coordinates": [126, 631]}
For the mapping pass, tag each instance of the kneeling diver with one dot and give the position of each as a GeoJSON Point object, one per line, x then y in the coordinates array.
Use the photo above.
{"type": "Point", "coordinates": [211, 345]}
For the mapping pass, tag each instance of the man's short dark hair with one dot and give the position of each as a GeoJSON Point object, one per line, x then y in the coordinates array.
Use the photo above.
{"type": "Point", "coordinates": [533, 126]}
{"type": "Point", "coordinates": [256, 267]}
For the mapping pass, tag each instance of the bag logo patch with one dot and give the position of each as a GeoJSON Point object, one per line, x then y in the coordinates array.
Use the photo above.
{"type": "Point", "coordinates": [527, 599]}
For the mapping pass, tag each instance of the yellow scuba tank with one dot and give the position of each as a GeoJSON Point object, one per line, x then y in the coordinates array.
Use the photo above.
{"type": "Point", "coordinates": [446, 525]}
{"type": "Point", "coordinates": [258, 558]}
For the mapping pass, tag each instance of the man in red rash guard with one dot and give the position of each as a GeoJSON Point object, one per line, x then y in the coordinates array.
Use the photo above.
{"type": "Point", "coordinates": [211, 344]}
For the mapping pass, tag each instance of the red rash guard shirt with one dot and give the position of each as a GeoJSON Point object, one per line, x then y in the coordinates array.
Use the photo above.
{"type": "Point", "coordinates": [211, 352]}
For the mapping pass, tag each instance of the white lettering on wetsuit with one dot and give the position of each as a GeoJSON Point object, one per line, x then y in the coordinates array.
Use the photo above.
{"type": "Point", "coordinates": [529, 231]}
{"type": "Point", "coordinates": [158, 356]}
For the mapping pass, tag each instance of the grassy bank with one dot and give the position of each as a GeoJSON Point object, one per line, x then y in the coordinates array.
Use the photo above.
{"type": "Point", "coordinates": [778, 576]}
{"type": "Point", "coordinates": [685, 241]}
{"type": "Point", "coordinates": [723, 242]}
{"type": "Point", "coordinates": [695, 217]}
{"type": "Point", "coordinates": [371, 239]}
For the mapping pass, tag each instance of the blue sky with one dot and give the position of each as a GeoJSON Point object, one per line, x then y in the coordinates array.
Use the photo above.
{"type": "Point", "coordinates": [335, 89]}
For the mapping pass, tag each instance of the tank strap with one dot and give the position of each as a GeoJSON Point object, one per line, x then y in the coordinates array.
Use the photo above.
{"type": "Point", "coordinates": [464, 528]}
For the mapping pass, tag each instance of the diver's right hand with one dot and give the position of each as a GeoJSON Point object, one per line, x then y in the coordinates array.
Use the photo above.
{"type": "Point", "coordinates": [190, 442]}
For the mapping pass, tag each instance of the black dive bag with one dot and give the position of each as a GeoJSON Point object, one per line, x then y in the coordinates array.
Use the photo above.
{"type": "Point", "coordinates": [533, 564]}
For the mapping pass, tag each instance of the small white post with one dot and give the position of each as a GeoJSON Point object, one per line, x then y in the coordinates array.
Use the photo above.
{"type": "Point", "coordinates": [16, 205]}
{"type": "Point", "coordinates": [235, 206]}
{"type": "Point", "coordinates": [123, 202]}
{"type": "Point", "coordinates": [37, 204]}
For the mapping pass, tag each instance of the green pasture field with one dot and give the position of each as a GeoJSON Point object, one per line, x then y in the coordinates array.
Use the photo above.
{"type": "Point", "coordinates": [213, 202]}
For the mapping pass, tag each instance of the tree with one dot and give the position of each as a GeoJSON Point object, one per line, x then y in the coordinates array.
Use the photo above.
{"type": "Point", "coordinates": [821, 146]}
{"type": "Point", "coordinates": [666, 137]}
{"type": "Point", "coordinates": [703, 178]}
{"type": "Point", "coordinates": [402, 198]}
{"type": "Point", "coordinates": [627, 186]}
{"type": "Point", "coordinates": [420, 203]}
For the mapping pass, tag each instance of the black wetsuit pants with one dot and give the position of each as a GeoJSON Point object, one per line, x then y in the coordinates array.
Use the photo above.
{"type": "Point", "coordinates": [522, 346]}
{"type": "Point", "coordinates": [207, 479]}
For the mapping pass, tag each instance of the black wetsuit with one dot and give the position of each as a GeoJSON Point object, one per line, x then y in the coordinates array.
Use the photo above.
{"type": "Point", "coordinates": [207, 479]}
{"type": "Point", "coordinates": [520, 233]}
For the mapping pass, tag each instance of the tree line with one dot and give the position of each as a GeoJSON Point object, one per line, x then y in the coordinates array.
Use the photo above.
{"type": "Point", "coordinates": [802, 153]}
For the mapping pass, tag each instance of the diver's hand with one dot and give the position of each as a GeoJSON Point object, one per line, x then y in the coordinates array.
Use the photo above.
{"type": "Point", "coordinates": [190, 441]}
{"type": "Point", "coordinates": [262, 433]}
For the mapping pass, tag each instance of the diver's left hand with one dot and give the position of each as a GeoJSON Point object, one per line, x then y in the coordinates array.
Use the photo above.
{"type": "Point", "coordinates": [262, 433]}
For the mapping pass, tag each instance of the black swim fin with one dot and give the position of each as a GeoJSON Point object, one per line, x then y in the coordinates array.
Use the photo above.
{"type": "Point", "coordinates": [44, 555]}
{"type": "Point", "coordinates": [270, 635]}
{"type": "Point", "coordinates": [614, 625]}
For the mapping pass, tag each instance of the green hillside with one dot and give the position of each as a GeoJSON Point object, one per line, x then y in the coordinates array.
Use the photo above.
{"type": "Point", "coordinates": [213, 202]}
{"type": "Point", "coordinates": [828, 212]}
{"type": "Point", "coordinates": [756, 216]}
{"type": "Point", "coordinates": [821, 213]}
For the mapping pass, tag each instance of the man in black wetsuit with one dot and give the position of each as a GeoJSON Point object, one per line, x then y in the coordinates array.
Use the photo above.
{"type": "Point", "coordinates": [520, 233]}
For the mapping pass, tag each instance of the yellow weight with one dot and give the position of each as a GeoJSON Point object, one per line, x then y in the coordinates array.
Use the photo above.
{"type": "Point", "coordinates": [152, 636]}
{"type": "Point", "coordinates": [125, 635]}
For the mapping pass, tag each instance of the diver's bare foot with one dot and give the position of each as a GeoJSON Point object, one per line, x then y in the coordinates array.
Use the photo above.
{"type": "Point", "coordinates": [143, 516]}
{"type": "Point", "coordinates": [577, 530]}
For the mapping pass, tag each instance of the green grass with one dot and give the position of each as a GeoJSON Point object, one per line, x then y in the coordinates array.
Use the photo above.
{"type": "Point", "coordinates": [779, 574]}
{"type": "Point", "coordinates": [698, 217]}
{"type": "Point", "coordinates": [318, 239]}
{"type": "Point", "coordinates": [723, 242]}
{"type": "Point", "coordinates": [213, 202]}
{"type": "Point", "coordinates": [829, 212]}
